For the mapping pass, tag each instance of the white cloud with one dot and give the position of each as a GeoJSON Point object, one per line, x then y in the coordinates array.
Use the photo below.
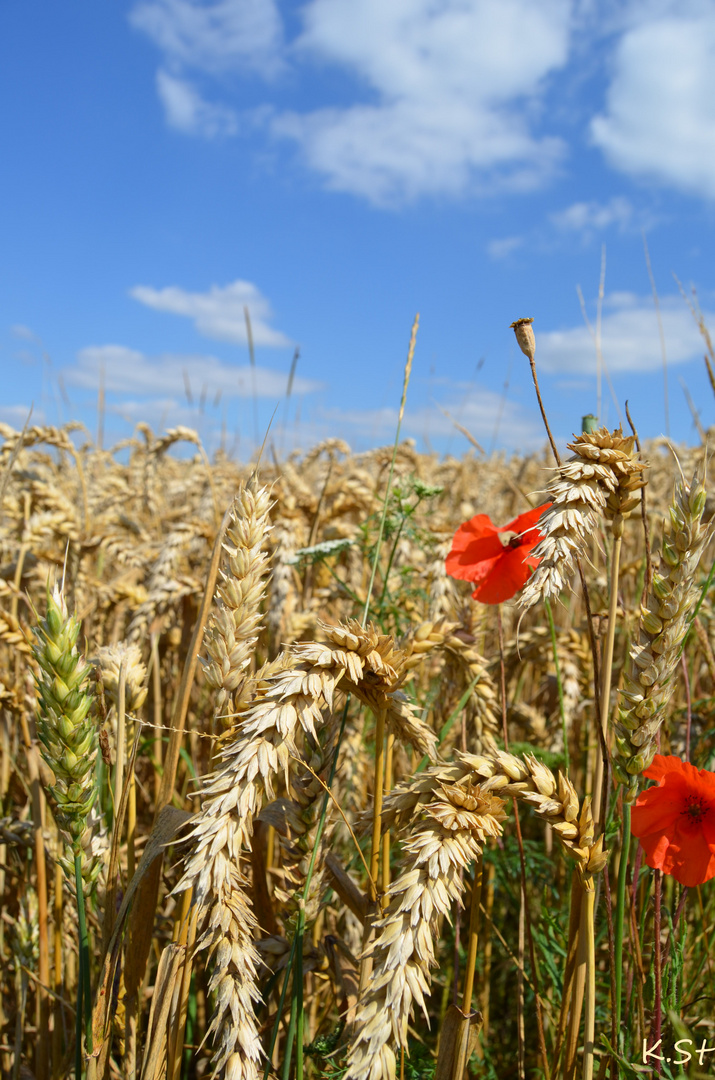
{"type": "Point", "coordinates": [659, 120]}
{"type": "Point", "coordinates": [589, 217]}
{"type": "Point", "coordinates": [452, 89]}
{"type": "Point", "coordinates": [415, 48]}
{"type": "Point", "coordinates": [186, 110]}
{"type": "Point", "coordinates": [218, 313]}
{"type": "Point", "coordinates": [17, 415]}
{"type": "Point", "coordinates": [448, 97]}
{"type": "Point", "coordinates": [130, 371]}
{"type": "Point", "coordinates": [501, 249]}
{"type": "Point", "coordinates": [477, 410]}
{"type": "Point", "coordinates": [213, 36]}
{"type": "Point", "coordinates": [24, 332]}
{"type": "Point", "coordinates": [630, 338]}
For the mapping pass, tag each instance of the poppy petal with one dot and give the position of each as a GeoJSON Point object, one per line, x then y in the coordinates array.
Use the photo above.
{"type": "Point", "coordinates": [483, 569]}
{"type": "Point", "coordinates": [474, 542]}
{"type": "Point", "coordinates": [664, 764]}
{"type": "Point", "coordinates": [525, 523]}
{"type": "Point", "coordinates": [655, 812]}
{"type": "Point", "coordinates": [657, 847]}
{"type": "Point", "coordinates": [690, 859]}
{"type": "Point", "coordinates": [508, 575]}
{"type": "Point", "coordinates": [675, 821]}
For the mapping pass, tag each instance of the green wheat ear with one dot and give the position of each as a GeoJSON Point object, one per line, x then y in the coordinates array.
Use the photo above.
{"type": "Point", "coordinates": [65, 725]}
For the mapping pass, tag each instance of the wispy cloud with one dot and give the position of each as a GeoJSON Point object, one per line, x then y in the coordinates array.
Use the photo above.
{"type": "Point", "coordinates": [218, 313]}
{"type": "Point", "coordinates": [16, 415]}
{"type": "Point", "coordinates": [214, 35]}
{"type": "Point", "coordinates": [589, 217]}
{"type": "Point", "coordinates": [483, 412]}
{"type": "Point", "coordinates": [630, 339]}
{"type": "Point", "coordinates": [446, 87]}
{"type": "Point", "coordinates": [659, 120]}
{"type": "Point", "coordinates": [502, 248]}
{"type": "Point", "coordinates": [18, 330]}
{"type": "Point", "coordinates": [186, 111]}
{"type": "Point", "coordinates": [130, 372]}
{"type": "Point", "coordinates": [447, 101]}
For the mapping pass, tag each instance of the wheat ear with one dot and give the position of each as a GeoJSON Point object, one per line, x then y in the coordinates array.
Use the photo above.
{"type": "Point", "coordinates": [664, 622]}
{"type": "Point", "coordinates": [599, 480]}
{"type": "Point", "coordinates": [290, 705]}
{"type": "Point", "coordinates": [66, 728]}
{"type": "Point", "coordinates": [225, 920]}
{"type": "Point", "coordinates": [448, 812]}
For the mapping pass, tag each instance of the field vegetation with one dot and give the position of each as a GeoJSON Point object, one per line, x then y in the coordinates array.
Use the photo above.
{"type": "Point", "coordinates": [279, 797]}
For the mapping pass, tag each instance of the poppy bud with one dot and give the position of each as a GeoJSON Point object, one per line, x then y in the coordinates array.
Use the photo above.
{"type": "Point", "coordinates": [525, 336]}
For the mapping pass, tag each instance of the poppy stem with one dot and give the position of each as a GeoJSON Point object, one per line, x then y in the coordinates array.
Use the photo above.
{"type": "Point", "coordinates": [543, 411]}
{"type": "Point", "coordinates": [658, 974]}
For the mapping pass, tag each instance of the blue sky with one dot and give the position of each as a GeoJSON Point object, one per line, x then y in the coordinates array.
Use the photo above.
{"type": "Point", "coordinates": [336, 166]}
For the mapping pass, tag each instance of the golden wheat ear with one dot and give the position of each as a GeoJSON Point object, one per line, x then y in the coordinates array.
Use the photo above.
{"type": "Point", "coordinates": [664, 622]}
{"type": "Point", "coordinates": [599, 481]}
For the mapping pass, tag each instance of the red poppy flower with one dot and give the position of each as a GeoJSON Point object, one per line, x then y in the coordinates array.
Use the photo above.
{"type": "Point", "coordinates": [675, 821]}
{"type": "Point", "coordinates": [497, 561]}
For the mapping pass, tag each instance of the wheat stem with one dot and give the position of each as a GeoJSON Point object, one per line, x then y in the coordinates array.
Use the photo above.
{"type": "Point", "coordinates": [606, 677]}
{"type": "Point", "coordinates": [460, 1059]}
{"type": "Point", "coordinates": [620, 913]}
{"type": "Point", "coordinates": [84, 993]}
{"type": "Point", "coordinates": [559, 683]}
{"type": "Point", "coordinates": [387, 787]}
{"type": "Point", "coordinates": [379, 781]}
{"type": "Point", "coordinates": [588, 934]}
{"type": "Point", "coordinates": [381, 530]}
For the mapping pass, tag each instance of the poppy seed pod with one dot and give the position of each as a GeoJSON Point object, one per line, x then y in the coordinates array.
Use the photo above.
{"type": "Point", "coordinates": [525, 336]}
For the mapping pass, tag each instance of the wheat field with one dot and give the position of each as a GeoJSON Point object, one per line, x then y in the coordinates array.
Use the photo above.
{"type": "Point", "coordinates": [279, 798]}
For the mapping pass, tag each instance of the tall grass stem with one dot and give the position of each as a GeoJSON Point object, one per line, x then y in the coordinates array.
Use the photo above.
{"type": "Point", "coordinates": [381, 530]}
{"type": "Point", "coordinates": [620, 911]}
{"type": "Point", "coordinates": [559, 683]}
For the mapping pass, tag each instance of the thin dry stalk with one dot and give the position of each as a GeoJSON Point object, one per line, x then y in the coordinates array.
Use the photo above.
{"type": "Point", "coordinates": [38, 808]}
{"type": "Point", "coordinates": [463, 1040]}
